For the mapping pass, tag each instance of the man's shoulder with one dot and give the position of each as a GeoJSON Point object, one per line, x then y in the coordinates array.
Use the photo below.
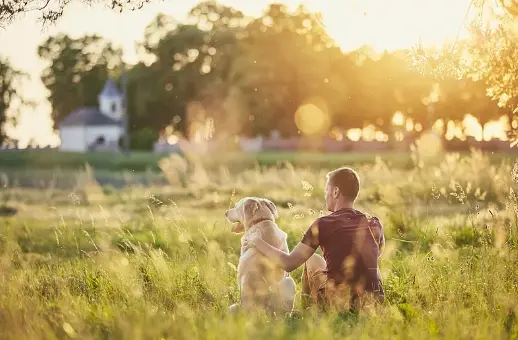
{"type": "Point", "coordinates": [373, 220]}
{"type": "Point", "coordinates": [361, 218]}
{"type": "Point", "coordinates": [358, 216]}
{"type": "Point", "coordinates": [318, 223]}
{"type": "Point", "coordinates": [322, 220]}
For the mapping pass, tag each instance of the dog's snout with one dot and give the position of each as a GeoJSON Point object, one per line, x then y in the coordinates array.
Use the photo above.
{"type": "Point", "coordinates": [226, 213]}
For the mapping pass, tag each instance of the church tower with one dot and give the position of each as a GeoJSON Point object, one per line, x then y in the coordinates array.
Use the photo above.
{"type": "Point", "coordinates": [111, 101]}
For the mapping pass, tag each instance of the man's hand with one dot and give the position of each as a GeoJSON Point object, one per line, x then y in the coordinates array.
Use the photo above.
{"type": "Point", "coordinates": [250, 240]}
{"type": "Point", "coordinates": [289, 262]}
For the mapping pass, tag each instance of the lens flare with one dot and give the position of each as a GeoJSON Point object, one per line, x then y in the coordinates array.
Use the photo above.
{"type": "Point", "coordinates": [312, 117]}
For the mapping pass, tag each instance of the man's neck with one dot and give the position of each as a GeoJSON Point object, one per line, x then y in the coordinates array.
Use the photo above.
{"type": "Point", "coordinates": [343, 205]}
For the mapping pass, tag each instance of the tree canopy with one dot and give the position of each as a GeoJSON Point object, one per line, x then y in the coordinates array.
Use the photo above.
{"type": "Point", "coordinates": [282, 71]}
{"type": "Point", "coordinates": [10, 95]}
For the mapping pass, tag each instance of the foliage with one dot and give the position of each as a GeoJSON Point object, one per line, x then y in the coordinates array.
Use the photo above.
{"type": "Point", "coordinates": [143, 139]}
{"type": "Point", "coordinates": [488, 58]}
{"type": "Point", "coordinates": [250, 76]}
{"type": "Point", "coordinates": [77, 72]}
{"type": "Point", "coordinates": [50, 11]}
{"type": "Point", "coordinates": [9, 95]}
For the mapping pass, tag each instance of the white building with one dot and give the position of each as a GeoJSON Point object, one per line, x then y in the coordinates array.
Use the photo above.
{"type": "Point", "coordinates": [95, 128]}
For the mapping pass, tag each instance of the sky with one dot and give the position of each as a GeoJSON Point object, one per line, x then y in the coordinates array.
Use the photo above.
{"type": "Point", "coordinates": [383, 24]}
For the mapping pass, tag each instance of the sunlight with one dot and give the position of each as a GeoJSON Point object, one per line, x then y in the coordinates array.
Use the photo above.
{"type": "Point", "coordinates": [312, 117]}
{"type": "Point", "coordinates": [472, 127]}
{"type": "Point", "coordinates": [398, 119]}
{"type": "Point", "coordinates": [354, 134]}
{"type": "Point", "coordinates": [172, 140]}
{"type": "Point", "coordinates": [369, 133]}
{"type": "Point", "coordinates": [496, 129]}
{"type": "Point", "coordinates": [409, 125]}
{"type": "Point", "coordinates": [399, 136]}
{"type": "Point", "coordinates": [438, 127]}
{"type": "Point", "coordinates": [336, 134]}
{"type": "Point", "coordinates": [391, 25]}
{"type": "Point", "coordinates": [381, 137]}
{"type": "Point", "coordinates": [202, 131]}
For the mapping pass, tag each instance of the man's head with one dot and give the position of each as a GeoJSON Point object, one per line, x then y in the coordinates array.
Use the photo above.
{"type": "Point", "coordinates": [342, 187]}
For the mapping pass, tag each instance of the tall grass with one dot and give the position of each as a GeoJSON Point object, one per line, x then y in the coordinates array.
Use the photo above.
{"type": "Point", "coordinates": [159, 261]}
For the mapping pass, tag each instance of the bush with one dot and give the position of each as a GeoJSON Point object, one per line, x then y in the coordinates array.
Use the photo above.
{"type": "Point", "coordinates": [143, 139]}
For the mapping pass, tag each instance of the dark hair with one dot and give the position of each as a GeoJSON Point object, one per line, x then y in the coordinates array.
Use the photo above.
{"type": "Point", "coordinates": [347, 181]}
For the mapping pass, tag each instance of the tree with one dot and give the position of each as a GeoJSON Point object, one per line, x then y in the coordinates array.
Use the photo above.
{"type": "Point", "coordinates": [494, 62]}
{"type": "Point", "coordinates": [252, 75]}
{"type": "Point", "coordinates": [287, 59]}
{"type": "Point", "coordinates": [510, 6]}
{"type": "Point", "coordinates": [50, 11]}
{"type": "Point", "coordinates": [77, 72]}
{"type": "Point", "coordinates": [177, 73]}
{"type": "Point", "coordinates": [192, 63]}
{"type": "Point", "coordinates": [9, 94]}
{"type": "Point", "coordinates": [489, 57]}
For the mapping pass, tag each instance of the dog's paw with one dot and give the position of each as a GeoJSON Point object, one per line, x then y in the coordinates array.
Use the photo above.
{"type": "Point", "coordinates": [234, 309]}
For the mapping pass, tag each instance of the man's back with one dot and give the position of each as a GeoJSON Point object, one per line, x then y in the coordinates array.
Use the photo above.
{"type": "Point", "coordinates": [350, 243]}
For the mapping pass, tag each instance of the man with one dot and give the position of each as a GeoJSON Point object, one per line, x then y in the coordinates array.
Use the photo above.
{"type": "Point", "coordinates": [347, 277]}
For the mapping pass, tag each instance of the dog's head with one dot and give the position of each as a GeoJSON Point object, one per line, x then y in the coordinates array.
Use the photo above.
{"type": "Point", "coordinates": [249, 210]}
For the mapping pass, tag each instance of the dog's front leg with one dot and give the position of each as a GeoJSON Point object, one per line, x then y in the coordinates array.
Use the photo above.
{"type": "Point", "coordinates": [288, 291]}
{"type": "Point", "coordinates": [247, 298]}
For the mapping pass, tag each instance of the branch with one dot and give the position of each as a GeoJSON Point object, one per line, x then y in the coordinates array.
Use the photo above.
{"type": "Point", "coordinates": [462, 24]}
{"type": "Point", "coordinates": [51, 11]}
{"type": "Point", "coordinates": [510, 6]}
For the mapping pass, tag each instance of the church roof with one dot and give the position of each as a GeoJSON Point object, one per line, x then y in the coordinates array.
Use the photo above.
{"type": "Point", "coordinates": [110, 89]}
{"type": "Point", "coordinates": [88, 116]}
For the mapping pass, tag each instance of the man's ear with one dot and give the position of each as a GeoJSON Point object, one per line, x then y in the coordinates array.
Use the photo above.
{"type": "Point", "coordinates": [238, 228]}
{"type": "Point", "coordinates": [271, 206]}
{"type": "Point", "coordinates": [336, 192]}
{"type": "Point", "coordinates": [250, 207]}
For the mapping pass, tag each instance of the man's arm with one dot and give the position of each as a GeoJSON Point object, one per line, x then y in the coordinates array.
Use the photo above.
{"type": "Point", "coordinates": [289, 262]}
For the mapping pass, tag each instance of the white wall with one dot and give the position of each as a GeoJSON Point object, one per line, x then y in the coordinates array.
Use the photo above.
{"type": "Point", "coordinates": [110, 133]}
{"type": "Point", "coordinates": [72, 138]}
{"type": "Point", "coordinates": [77, 138]}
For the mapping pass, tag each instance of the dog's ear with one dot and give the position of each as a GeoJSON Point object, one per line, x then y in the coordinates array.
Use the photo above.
{"type": "Point", "coordinates": [250, 206]}
{"type": "Point", "coordinates": [238, 228]}
{"type": "Point", "coordinates": [271, 206]}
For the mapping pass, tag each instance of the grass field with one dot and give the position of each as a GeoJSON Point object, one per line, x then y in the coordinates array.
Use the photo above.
{"type": "Point", "coordinates": [158, 260]}
{"type": "Point", "coordinates": [144, 161]}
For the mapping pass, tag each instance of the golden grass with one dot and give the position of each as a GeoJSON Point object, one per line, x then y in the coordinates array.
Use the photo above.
{"type": "Point", "coordinates": [159, 261]}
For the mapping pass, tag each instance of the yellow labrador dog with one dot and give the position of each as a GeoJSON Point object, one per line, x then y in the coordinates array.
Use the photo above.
{"type": "Point", "coordinates": [263, 285]}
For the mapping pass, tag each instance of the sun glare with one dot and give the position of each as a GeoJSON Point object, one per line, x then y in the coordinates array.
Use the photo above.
{"type": "Point", "coordinates": [398, 118]}
{"type": "Point", "coordinates": [312, 117]}
{"type": "Point", "coordinates": [472, 127]}
{"type": "Point", "coordinates": [354, 134]}
{"type": "Point", "coordinates": [391, 25]}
